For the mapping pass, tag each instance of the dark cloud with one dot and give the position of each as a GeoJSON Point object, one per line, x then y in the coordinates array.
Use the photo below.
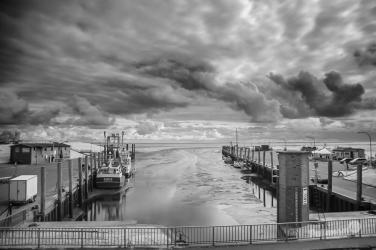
{"type": "Point", "coordinates": [88, 114]}
{"type": "Point", "coordinates": [329, 97]}
{"type": "Point", "coordinates": [198, 77]}
{"type": "Point", "coordinates": [15, 110]}
{"type": "Point", "coordinates": [367, 56]}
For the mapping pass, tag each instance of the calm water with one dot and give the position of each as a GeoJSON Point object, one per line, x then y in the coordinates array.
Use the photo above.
{"type": "Point", "coordinates": [186, 185]}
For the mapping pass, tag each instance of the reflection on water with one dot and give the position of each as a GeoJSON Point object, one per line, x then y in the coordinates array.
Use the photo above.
{"type": "Point", "coordinates": [265, 195]}
{"type": "Point", "coordinates": [186, 186]}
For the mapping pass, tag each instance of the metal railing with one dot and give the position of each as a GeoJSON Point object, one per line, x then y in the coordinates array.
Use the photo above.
{"type": "Point", "coordinates": [141, 236]}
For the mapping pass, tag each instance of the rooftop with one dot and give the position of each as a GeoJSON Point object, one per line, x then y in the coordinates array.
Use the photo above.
{"type": "Point", "coordinates": [42, 144]}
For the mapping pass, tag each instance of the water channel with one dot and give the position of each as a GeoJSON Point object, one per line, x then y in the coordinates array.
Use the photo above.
{"type": "Point", "coordinates": [186, 185]}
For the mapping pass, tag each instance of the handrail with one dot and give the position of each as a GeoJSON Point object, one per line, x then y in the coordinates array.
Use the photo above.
{"type": "Point", "coordinates": [141, 235]}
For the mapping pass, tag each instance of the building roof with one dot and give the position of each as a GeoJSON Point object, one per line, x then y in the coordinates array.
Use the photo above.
{"type": "Point", "coordinates": [323, 151]}
{"type": "Point", "coordinates": [42, 144]}
{"type": "Point", "coordinates": [341, 149]}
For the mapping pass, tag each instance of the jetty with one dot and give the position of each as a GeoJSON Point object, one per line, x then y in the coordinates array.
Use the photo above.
{"type": "Point", "coordinates": [337, 195]}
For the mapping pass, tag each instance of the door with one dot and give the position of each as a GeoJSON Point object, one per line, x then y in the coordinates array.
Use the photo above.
{"type": "Point", "coordinates": [21, 190]}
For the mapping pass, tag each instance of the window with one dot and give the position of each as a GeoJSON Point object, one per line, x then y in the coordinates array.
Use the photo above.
{"type": "Point", "coordinates": [26, 150]}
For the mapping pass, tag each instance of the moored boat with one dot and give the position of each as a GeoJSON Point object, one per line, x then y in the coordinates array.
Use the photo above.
{"type": "Point", "coordinates": [110, 176]}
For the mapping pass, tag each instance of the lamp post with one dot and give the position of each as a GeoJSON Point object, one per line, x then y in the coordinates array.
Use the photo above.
{"type": "Point", "coordinates": [370, 146]}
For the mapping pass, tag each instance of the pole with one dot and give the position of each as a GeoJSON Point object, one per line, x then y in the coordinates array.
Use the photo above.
{"type": "Point", "coordinates": [263, 158]}
{"type": "Point", "coordinates": [91, 172]}
{"type": "Point", "coordinates": [70, 174]}
{"type": "Point", "coordinates": [359, 186]}
{"type": "Point", "coordinates": [43, 192]}
{"type": "Point", "coordinates": [330, 184]}
{"type": "Point", "coordinates": [59, 192]}
{"type": "Point", "coordinates": [86, 177]}
{"type": "Point", "coordinates": [80, 196]}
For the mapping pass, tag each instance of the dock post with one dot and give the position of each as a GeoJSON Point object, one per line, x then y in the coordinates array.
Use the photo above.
{"type": "Point", "coordinates": [43, 192]}
{"type": "Point", "coordinates": [59, 192]}
{"type": "Point", "coordinates": [259, 157]}
{"type": "Point", "coordinates": [80, 196]}
{"type": "Point", "coordinates": [359, 186]}
{"type": "Point", "coordinates": [240, 155]}
{"type": "Point", "coordinates": [330, 185]}
{"type": "Point", "coordinates": [264, 198]}
{"type": "Point", "coordinates": [70, 176]}
{"type": "Point", "coordinates": [127, 147]}
{"type": "Point", "coordinates": [237, 152]}
{"type": "Point", "coordinates": [91, 172]}
{"type": "Point", "coordinates": [271, 168]}
{"type": "Point", "coordinates": [253, 154]}
{"type": "Point", "coordinates": [263, 157]}
{"type": "Point", "coordinates": [249, 150]}
{"type": "Point", "coordinates": [86, 177]}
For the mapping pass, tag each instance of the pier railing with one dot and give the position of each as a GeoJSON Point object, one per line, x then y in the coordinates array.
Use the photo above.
{"type": "Point", "coordinates": [142, 236]}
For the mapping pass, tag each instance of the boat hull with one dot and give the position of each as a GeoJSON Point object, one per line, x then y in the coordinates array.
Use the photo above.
{"type": "Point", "coordinates": [110, 182]}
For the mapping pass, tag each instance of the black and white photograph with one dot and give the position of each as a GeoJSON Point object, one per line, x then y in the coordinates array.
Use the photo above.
{"type": "Point", "coordinates": [224, 124]}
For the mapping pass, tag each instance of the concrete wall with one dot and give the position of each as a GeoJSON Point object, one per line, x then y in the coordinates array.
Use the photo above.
{"type": "Point", "coordinates": [293, 198]}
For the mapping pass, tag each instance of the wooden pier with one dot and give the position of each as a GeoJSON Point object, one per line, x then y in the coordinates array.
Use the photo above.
{"type": "Point", "coordinates": [322, 197]}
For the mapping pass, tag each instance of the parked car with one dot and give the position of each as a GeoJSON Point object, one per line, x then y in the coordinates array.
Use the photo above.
{"type": "Point", "coordinates": [358, 161]}
{"type": "Point", "coordinates": [345, 160]}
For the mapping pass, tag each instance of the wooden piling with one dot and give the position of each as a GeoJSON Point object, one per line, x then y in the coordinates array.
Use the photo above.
{"type": "Point", "coordinates": [91, 172]}
{"type": "Point", "coordinates": [240, 154]}
{"type": "Point", "coordinates": [271, 168]}
{"type": "Point", "coordinates": [43, 192]}
{"type": "Point", "coordinates": [86, 177]}
{"type": "Point", "coordinates": [80, 193]}
{"type": "Point", "coordinates": [253, 154]}
{"type": "Point", "coordinates": [248, 152]}
{"type": "Point", "coordinates": [330, 185]}
{"type": "Point", "coordinates": [359, 186]}
{"type": "Point", "coordinates": [70, 177]}
{"type": "Point", "coordinates": [263, 157]}
{"type": "Point", "coordinates": [264, 196]}
{"type": "Point", "coordinates": [59, 192]}
{"type": "Point", "coordinates": [259, 157]}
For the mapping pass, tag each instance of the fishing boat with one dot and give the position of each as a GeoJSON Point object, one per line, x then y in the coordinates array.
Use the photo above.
{"type": "Point", "coordinates": [117, 166]}
{"type": "Point", "coordinates": [110, 175]}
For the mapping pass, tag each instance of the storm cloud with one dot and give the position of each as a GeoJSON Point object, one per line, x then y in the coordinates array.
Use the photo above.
{"type": "Point", "coordinates": [90, 64]}
{"type": "Point", "coordinates": [15, 110]}
{"type": "Point", "coordinates": [329, 97]}
{"type": "Point", "coordinates": [198, 77]}
{"type": "Point", "coordinates": [88, 114]}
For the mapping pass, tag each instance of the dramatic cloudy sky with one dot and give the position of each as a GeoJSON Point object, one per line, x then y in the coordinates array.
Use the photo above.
{"type": "Point", "coordinates": [188, 69]}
